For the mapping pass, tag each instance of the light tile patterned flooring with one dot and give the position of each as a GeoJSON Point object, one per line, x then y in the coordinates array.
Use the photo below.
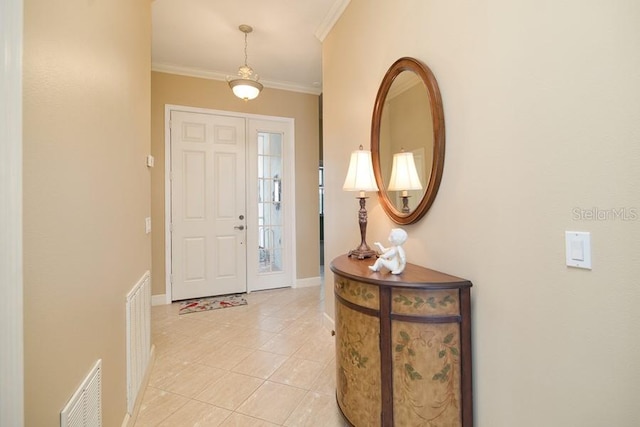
{"type": "Point", "coordinates": [269, 363]}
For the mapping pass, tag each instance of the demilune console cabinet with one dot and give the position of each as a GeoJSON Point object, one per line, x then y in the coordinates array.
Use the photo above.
{"type": "Point", "coordinates": [403, 346]}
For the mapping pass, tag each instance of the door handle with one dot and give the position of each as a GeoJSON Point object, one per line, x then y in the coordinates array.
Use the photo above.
{"type": "Point", "coordinates": [239, 227]}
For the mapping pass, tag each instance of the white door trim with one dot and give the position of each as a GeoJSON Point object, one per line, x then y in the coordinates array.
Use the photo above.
{"type": "Point", "coordinates": [11, 275]}
{"type": "Point", "coordinates": [168, 108]}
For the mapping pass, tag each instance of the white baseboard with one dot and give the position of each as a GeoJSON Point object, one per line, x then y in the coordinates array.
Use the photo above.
{"type": "Point", "coordinates": [308, 282]}
{"type": "Point", "coordinates": [159, 299]}
{"type": "Point", "coordinates": [328, 322]}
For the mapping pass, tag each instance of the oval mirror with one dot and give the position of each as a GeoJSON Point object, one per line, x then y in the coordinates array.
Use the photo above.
{"type": "Point", "coordinates": [407, 140]}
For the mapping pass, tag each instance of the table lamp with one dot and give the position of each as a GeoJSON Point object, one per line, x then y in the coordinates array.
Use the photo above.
{"type": "Point", "coordinates": [360, 178]}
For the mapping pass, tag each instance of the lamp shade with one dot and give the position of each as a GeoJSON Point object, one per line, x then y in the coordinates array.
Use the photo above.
{"type": "Point", "coordinates": [360, 175]}
{"type": "Point", "coordinates": [404, 175]}
{"type": "Point", "coordinates": [245, 88]}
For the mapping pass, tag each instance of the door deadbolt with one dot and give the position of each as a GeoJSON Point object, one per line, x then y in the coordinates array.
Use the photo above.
{"type": "Point", "coordinates": [241, 217]}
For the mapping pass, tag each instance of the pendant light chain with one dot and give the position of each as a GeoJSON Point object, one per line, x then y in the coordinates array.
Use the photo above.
{"type": "Point", "coordinates": [245, 49]}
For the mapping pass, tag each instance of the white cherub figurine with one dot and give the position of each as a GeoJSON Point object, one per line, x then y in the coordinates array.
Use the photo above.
{"type": "Point", "coordinates": [394, 257]}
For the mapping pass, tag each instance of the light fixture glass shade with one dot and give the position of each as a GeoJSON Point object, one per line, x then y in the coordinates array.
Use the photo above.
{"type": "Point", "coordinates": [404, 175]}
{"type": "Point", "coordinates": [245, 89]}
{"type": "Point", "coordinates": [360, 175]}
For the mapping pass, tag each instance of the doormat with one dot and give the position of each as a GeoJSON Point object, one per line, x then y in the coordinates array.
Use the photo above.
{"type": "Point", "coordinates": [212, 303]}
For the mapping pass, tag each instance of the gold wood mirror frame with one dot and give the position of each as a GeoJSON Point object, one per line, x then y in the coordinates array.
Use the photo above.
{"type": "Point", "coordinates": [433, 145]}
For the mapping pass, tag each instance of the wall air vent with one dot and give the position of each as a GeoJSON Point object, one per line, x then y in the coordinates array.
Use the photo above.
{"type": "Point", "coordinates": [85, 407]}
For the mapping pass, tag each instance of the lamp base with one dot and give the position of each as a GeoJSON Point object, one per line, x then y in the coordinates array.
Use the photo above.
{"type": "Point", "coordinates": [405, 204]}
{"type": "Point", "coordinates": [362, 252]}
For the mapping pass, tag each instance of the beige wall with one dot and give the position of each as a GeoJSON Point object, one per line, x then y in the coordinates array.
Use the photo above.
{"type": "Point", "coordinates": [213, 94]}
{"type": "Point", "coordinates": [86, 194]}
{"type": "Point", "coordinates": [542, 118]}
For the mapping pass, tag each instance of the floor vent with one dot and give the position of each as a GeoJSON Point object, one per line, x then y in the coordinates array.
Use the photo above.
{"type": "Point", "coordinates": [85, 407]}
{"type": "Point", "coordinates": [138, 337]}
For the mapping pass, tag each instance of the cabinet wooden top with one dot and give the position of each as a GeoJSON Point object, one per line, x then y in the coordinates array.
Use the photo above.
{"type": "Point", "coordinates": [413, 275]}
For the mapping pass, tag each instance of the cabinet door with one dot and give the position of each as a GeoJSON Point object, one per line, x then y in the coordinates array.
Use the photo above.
{"type": "Point", "coordinates": [426, 374]}
{"type": "Point", "coordinates": [358, 366]}
{"type": "Point", "coordinates": [426, 348]}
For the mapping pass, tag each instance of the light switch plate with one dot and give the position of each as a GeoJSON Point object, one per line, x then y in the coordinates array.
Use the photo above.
{"type": "Point", "coordinates": [150, 161]}
{"type": "Point", "coordinates": [147, 225]}
{"type": "Point", "coordinates": [578, 249]}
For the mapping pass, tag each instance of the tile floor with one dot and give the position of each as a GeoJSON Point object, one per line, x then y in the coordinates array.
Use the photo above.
{"type": "Point", "coordinates": [269, 363]}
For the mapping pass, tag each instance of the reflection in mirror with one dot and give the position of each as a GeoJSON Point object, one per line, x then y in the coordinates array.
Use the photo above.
{"type": "Point", "coordinates": [404, 178]}
{"type": "Point", "coordinates": [404, 127]}
{"type": "Point", "coordinates": [408, 122]}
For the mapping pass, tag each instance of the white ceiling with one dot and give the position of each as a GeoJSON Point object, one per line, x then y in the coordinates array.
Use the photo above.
{"type": "Point", "coordinates": [201, 38]}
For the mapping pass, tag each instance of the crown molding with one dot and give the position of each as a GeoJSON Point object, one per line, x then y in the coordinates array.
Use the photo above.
{"type": "Point", "coordinates": [217, 75]}
{"type": "Point", "coordinates": [331, 18]}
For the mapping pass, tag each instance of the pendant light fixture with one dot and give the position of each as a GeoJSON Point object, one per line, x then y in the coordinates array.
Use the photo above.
{"type": "Point", "coordinates": [246, 86]}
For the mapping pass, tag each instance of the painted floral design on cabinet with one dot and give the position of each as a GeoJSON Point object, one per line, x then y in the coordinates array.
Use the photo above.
{"type": "Point", "coordinates": [358, 293]}
{"type": "Point", "coordinates": [426, 374]}
{"type": "Point", "coordinates": [417, 302]}
{"type": "Point", "coordinates": [358, 365]}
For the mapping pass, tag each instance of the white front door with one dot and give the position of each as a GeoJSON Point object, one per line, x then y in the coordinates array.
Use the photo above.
{"type": "Point", "coordinates": [208, 211]}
